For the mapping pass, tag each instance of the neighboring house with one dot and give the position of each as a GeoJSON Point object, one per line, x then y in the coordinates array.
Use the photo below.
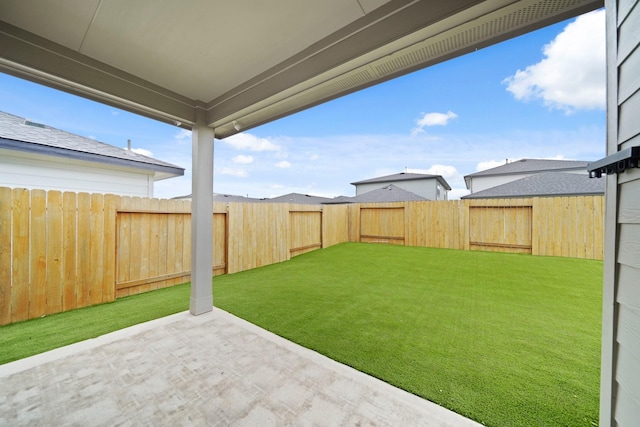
{"type": "Point", "coordinates": [429, 187]}
{"type": "Point", "coordinates": [303, 199]}
{"type": "Point", "coordinates": [387, 194]}
{"type": "Point", "coordinates": [512, 171]}
{"type": "Point", "coordinates": [36, 156]}
{"type": "Point", "coordinates": [548, 184]}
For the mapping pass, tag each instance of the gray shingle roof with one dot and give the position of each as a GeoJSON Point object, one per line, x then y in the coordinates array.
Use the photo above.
{"type": "Point", "coordinates": [387, 194]}
{"type": "Point", "coordinates": [532, 165]}
{"type": "Point", "coordinates": [544, 184]}
{"type": "Point", "coordinates": [304, 199]}
{"type": "Point", "coordinates": [404, 176]}
{"type": "Point", "coordinates": [17, 133]}
{"type": "Point", "coordinates": [226, 198]}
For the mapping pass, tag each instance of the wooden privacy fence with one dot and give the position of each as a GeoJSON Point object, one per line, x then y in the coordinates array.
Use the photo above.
{"type": "Point", "coordinates": [60, 251]}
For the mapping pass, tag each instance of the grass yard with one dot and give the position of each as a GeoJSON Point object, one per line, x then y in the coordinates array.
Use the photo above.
{"type": "Point", "coordinates": [508, 340]}
{"type": "Point", "coordinates": [20, 340]}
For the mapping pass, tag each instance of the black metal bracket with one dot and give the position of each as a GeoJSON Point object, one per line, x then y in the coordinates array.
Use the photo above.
{"type": "Point", "coordinates": [615, 163]}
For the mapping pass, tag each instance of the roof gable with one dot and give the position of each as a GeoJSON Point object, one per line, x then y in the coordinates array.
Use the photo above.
{"type": "Point", "coordinates": [387, 194]}
{"type": "Point", "coordinates": [404, 176]}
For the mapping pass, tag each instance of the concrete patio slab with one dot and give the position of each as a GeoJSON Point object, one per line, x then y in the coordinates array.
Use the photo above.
{"type": "Point", "coordinates": [214, 369]}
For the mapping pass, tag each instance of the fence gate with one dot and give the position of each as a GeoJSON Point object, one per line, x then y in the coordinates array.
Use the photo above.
{"type": "Point", "coordinates": [153, 249]}
{"type": "Point", "coordinates": [382, 225]}
{"type": "Point", "coordinates": [305, 231]}
{"type": "Point", "coordinates": [500, 229]}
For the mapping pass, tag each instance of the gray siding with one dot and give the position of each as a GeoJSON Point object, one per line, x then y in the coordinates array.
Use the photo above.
{"type": "Point", "coordinates": [620, 389]}
{"type": "Point", "coordinates": [422, 187]}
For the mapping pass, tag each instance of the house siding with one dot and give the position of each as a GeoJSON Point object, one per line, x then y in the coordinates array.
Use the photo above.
{"type": "Point", "coordinates": [620, 386]}
{"type": "Point", "coordinates": [33, 171]}
{"type": "Point", "coordinates": [422, 187]}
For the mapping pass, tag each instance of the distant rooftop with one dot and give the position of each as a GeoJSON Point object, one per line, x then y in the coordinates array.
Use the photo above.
{"type": "Point", "coordinates": [387, 194]}
{"type": "Point", "coordinates": [303, 199]}
{"type": "Point", "coordinates": [544, 184]}
{"type": "Point", "coordinates": [532, 165]}
{"type": "Point", "coordinates": [226, 198]}
{"type": "Point", "coordinates": [404, 176]}
{"type": "Point", "coordinates": [20, 134]}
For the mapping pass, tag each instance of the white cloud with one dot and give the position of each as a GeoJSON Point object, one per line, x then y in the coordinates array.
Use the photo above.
{"type": "Point", "coordinates": [433, 119]}
{"type": "Point", "coordinates": [183, 134]}
{"type": "Point", "coordinates": [457, 193]}
{"type": "Point", "coordinates": [142, 151]}
{"type": "Point", "coordinates": [572, 75]}
{"type": "Point", "coordinates": [283, 164]}
{"type": "Point", "coordinates": [247, 141]}
{"type": "Point", "coordinates": [314, 157]}
{"type": "Point", "coordinates": [490, 164]}
{"type": "Point", "coordinates": [446, 171]}
{"type": "Point", "coordinates": [240, 173]}
{"type": "Point", "coordinates": [556, 157]}
{"type": "Point", "coordinates": [243, 160]}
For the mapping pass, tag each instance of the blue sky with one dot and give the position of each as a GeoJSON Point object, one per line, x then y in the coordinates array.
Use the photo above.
{"type": "Point", "coordinates": [541, 95]}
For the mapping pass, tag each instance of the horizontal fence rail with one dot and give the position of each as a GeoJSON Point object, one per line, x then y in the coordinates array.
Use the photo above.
{"type": "Point", "coordinates": [61, 251]}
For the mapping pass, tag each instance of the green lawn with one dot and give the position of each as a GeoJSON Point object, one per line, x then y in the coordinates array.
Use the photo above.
{"type": "Point", "coordinates": [508, 340]}
{"type": "Point", "coordinates": [20, 340]}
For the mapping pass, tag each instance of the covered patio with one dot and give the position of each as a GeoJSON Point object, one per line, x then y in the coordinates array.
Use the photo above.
{"type": "Point", "coordinates": [219, 68]}
{"type": "Point", "coordinates": [213, 369]}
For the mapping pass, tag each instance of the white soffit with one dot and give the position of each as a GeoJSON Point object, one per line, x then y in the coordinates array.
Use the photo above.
{"type": "Point", "coordinates": [247, 61]}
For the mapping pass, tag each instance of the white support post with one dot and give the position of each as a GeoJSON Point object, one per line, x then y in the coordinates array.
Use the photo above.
{"type": "Point", "coordinates": [201, 216]}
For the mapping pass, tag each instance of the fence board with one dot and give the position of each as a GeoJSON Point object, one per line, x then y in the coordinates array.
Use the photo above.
{"type": "Point", "coordinates": [109, 261]}
{"type": "Point", "coordinates": [38, 254]}
{"type": "Point", "coordinates": [54, 232]}
{"type": "Point", "coordinates": [69, 252]}
{"type": "Point", "coordinates": [219, 243]}
{"type": "Point", "coordinates": [186, 248]}
{"type": "Point", "coordinates": [97, 249]}
{"type": "Point", "coordinates": [144, 205]}
{"type": "Point", "coordinates": [598, 227]}
{"type": "Point", "coordinates": [163, 248]}
{"type": "Point", "coordinates": [123, 244]}
{"type": "Point", "coordinates": [154, 242]}
{"type": "Point", "coordinates": [6, 201]}
{"type": "Point", "coordinates": [135, 251]}
{"type": "Point", "coordinates": [20, 256]}
{"type": "Point", "coordinates": [84, 251]}
{"type": "Point", "coordinates": [236, 221]}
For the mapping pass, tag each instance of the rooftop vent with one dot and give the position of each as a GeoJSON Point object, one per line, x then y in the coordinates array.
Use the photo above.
{"type": "Point", "coordinates": [34, 124]}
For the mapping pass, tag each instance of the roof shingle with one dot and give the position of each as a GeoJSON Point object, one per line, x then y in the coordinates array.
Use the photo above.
{"type": "Point", "coordinates": [17, 133]}
{"type": "Point", "coordinates": [532, 165]}
{"type": "Point", "coordinates": [544, 184]}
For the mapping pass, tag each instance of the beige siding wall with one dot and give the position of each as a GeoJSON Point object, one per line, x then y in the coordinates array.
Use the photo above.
{"type": "Point", "coordinates": [620, 388]}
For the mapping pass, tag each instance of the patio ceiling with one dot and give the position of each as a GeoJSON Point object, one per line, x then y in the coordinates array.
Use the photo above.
{"type": "Point", "coordinates": [247, 62]}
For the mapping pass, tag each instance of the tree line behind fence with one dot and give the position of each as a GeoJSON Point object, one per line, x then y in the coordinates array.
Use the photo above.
{"type": "Point", "coordinates": [60, 251]}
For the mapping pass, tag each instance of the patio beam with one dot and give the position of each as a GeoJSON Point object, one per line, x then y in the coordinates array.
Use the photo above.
{"type": "Point", "coordinates": [201, 215]}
